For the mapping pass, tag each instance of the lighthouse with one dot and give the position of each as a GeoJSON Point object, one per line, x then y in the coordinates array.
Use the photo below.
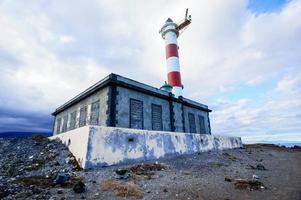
{"type": "Point", "coordinates": [170, 32]}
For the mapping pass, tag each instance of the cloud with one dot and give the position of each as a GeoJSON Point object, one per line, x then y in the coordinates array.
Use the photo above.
{"type": "Point", "coordinates": [51, 51]}
{"type": "Point", "coordinates": [277, 116]}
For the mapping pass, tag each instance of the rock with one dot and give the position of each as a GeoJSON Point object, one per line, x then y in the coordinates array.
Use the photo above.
{"type": "Point", "coordinates": [228, 179]}
{"type": "Point", "coordinates": [38, 137]}
{"type": "Point", "coordinates": [244, 184]}
{"type": "Point", "coordinates": [60, 191]}
{"type": "Point", "coordinates": [61, 179]}
{"type": "Point", "coordinates": [255, 177]}
{"type": "Point", "coordinates": [79, 187]}
{"type": "Point", "coordinates": [122, 173]}
{"type": "Point", "coordinates": [296, 147]}
{"type": "Point", "coordinates": [4, 192]}
{"type": "Point", "coordinates": [257, 167]}
{"type": "Point", "coordinates": [165, 190]}
{"type": "Point", "coordinates": [260, 167]}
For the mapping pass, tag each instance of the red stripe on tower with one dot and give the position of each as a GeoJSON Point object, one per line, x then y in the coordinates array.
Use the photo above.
{"type": "Point", "coordinates": [174, 79]}
{"type": "Point", "coordinates": [171, 50]}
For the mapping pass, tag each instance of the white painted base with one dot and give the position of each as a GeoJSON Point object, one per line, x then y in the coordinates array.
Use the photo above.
{"type": "Point", "coordinates": [98, 146]}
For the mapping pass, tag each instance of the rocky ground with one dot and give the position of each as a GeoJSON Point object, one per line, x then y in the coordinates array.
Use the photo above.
{"type": "Point", "coordinates": [36, 168]}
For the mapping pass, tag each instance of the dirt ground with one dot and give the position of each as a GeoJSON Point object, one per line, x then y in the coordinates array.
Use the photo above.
{"type": "Point", "coordinates": [208, 175]}
{"type": "Point", "coordinates": [42, 169]}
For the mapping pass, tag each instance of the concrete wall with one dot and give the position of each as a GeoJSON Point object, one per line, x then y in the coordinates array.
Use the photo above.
{"type": "Point", "coordinates": [77, 142]}
{"type": "Point", "coordinates": [101, 95]}
{"type": "Point", "coordinates": [123, 108]}
{"type": "Point", "coordinates": [111, 146]}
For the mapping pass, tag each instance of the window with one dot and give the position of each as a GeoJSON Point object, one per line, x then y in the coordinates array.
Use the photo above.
{"type": "Point", "coordinates": [136, 114]}
{"type": "Point", "coordinates": [191, 119]}
{"type": "Point", "coordinates": [73, 120]}
{"type": "Point", "coordinates": [156, 117]}
{"type": "Point", "coordinates": [65, 121]}
{"type": "Point", "coordinates": [82, 116]}
{"type": "Point", "coordinates": [58, 125]}
{"type": "Point", "coordinates": [95, 113]}
{"type": "Point", "coordinates": [202, 124]}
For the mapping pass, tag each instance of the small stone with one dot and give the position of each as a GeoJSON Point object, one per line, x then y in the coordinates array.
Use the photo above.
{"type": "Point", "coordinates": [228, 179]}
{"type": "Point", "coordinates": [255, 177]}
{"type": "Point", "coordinates": [260, 167]}
{"type": "Point", "coordinates": [165, 190]}
{"type": "Point", "coordinates": [4, 192]}
{"type": "Point", "coordinates": [79, 187]}
{"type": "Point", "coordinates": [61, 179]}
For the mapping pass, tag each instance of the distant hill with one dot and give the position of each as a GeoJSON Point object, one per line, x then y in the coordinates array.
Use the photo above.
{"type": "Point", "coordinates": [21, 134]}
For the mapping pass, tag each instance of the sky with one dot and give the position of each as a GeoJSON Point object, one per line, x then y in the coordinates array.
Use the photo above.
{"type": "Point", "coordinates": [242, 58]}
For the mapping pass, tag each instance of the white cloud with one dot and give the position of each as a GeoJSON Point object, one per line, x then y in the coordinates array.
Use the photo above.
{"type": "Point", "coordinates": [50, 51]}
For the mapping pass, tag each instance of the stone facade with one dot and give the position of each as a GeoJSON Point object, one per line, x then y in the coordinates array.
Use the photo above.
{"type": "Point", "coordinates": [121, 102]}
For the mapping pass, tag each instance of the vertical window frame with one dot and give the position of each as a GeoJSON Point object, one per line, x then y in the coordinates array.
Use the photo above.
{"type": "Point", "coordinates": [153, 106]}
{"type": "Point", "coordinates": [83, 111]}
{"type": "Point", "coordinates": [130, 113]}
{"type": "Point", "coordinates": [192, 126]}
{"type": "Point", "coordinates": [96, 120]}
{"type": "Point", "coordinates": [58, 125]}
{"type": "Point", "coordinates": [73, 120]}
{"type": "Point", "coordinates": [202, 124]}
{"type": "Point", "coordinates": [65, 123]}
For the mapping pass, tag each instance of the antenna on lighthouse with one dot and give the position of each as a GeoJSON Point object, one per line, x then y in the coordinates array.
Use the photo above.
{"type": "Point", "coordinates": [184, 23]}
{"type": "Point", "coordinates": [170, 32]}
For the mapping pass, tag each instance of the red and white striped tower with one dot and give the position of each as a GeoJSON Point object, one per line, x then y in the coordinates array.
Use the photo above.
{"type": "Point", "coordinates": [170, 33]}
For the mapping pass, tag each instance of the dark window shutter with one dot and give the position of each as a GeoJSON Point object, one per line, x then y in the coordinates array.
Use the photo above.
{"type": "Point", "coordinates": [58, 126]}
{"type": "Point", "coordinates": [65, 121]}
{"type": "Point", "coordinates": [191, 119]}
{"type": "Point", "coordinates": [83, 116]}
{"type": "Point", "coordinates": [95, 113]}
{"type": "Point", "coordinates": [136, 114]}
{"type": "Point", "coordinates": [73, 120]}
{"type": "Point", "coordinates": [202, 124]}
{"type": "Point", "coordinates": [156, 117]}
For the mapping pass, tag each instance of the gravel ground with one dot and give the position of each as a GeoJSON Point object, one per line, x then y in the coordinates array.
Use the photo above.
{"type": "Point", "coordinates": [254, 172]}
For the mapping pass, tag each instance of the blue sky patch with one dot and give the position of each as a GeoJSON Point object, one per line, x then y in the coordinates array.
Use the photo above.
{"type": "Point", "coordinates": [264, 6]}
